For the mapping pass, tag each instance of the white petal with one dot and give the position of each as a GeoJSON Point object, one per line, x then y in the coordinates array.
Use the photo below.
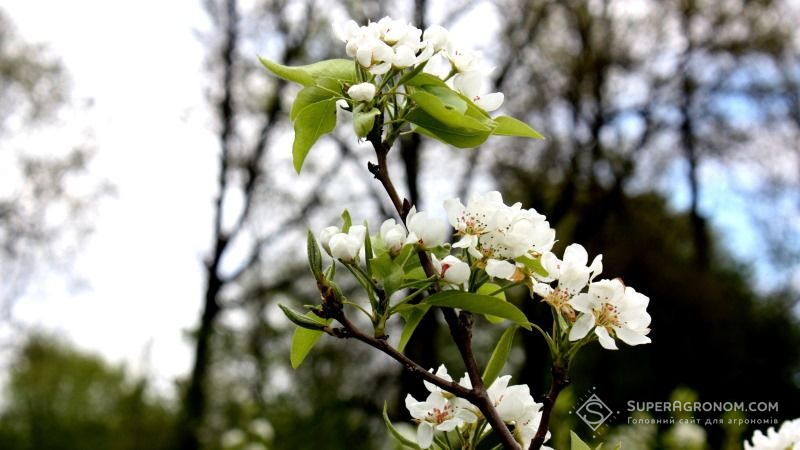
{"type": "Point", "coordinates": [381, 68]}
{"type": "Point", "coordinates": [581, 327]}
{"type": "Point", "coordinates": [576, 254]}
{"type": "Point", "coordinates": [583, 303]}
{"type": "Point", "coordinates": [605, 339]}
{"type": "Point", "coordinates": [489, 102]}
{"type": "Point", "coordinates": [425, 435]}
{"type": "Point", "coordinates": [468, 83]}
{"type": "Point", "coordinates": [500, 269]}
{"type": "Point", "coordinates": [542, 289]}
{"type": "Point", "coordinates": [454, 270]}
{"type": "Point", "coordinates": [631, 337]}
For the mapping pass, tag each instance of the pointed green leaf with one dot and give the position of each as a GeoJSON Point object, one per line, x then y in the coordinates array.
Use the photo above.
{"type": "Point", "coordinates": [339, 69]}
{"type": "Point", "coordinates": [428, 126]}
{"type": "Point", "coordinates": [447, 113]}
{"type": "Point", "coordinates": [488, 289]}
{"type": "Point", "coordinates": [388, 272]}
{"type": "Point", "coordinates": [509, 126]}
{"type": "Point", "coordinates": [310, 320]}
{"type": "Point", "coordinates": [315, 120]}
{"type": "Point", "coordinates": [534, 265]}
{"type": "Point", "coordinates": [479, 304]}
{"type": "Point", "coordinates": [314, 255]}
{"type": "Point", "coordinates": [304, 339]}
{"type": "Point", "coordinates": [314, 94]}
{"type": "Point", "coordinates": [425, 79]}
{"type": "Point", "coordinates": [364, 121]}
{"type": "Point", "coordinates": [576, 443]}
{"type": "Point", "coordinates": [397, 435]}
{"type": "Point", "coordinates": [499, 355]}
{"type": "Point", "coordinates": [413, 316]}
{"type": "Point", "coordinates": [347, 222]}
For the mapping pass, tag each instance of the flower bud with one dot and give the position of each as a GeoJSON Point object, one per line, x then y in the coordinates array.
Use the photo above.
{"type": "Point", "coordinates": [403, 57]}
{"type": "Point", "coordinates": [438, 36]}
{"type": "Point", "coordinates": [452, 269]}
{"type": "Point", "coordinates": [362, 92]}
{"type": "Point", "coordinates": [393, 235]}
{"type": "Point", "coordinates": [325, 237]}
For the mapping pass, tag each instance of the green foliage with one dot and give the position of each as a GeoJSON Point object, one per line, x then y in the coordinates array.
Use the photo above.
{"type": "Point", "coordinates": [305, 337]}
{"type": "Point", "coordinates": [479, 304]}
{"type": "Point", "coordinates": [413, 316]}
{"type": "Point", "coordinates": [499, 356]}
{"type": "Point", "coordinates": [396, 434]}
{"type": "Point", "coordinates": [314, 121]}
{"type": "Point", "coordinates": [61, 399]}
{"type": "Point", "coordinates": [314, 256]}
{"type": "Point", "coordinates": [311, 74]}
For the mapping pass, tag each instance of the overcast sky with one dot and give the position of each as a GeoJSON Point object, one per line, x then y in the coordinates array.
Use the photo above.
{"type": "Point", "coordinates": [141, 66]}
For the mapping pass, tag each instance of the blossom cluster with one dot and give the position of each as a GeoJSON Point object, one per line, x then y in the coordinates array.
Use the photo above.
{"type": "Point", "coordinates": [441, 411]}
{"type": "Point", "coordinates": [390, 44]}
{"type": "Point", "coordinates": [787, 437]}
{"type": "Point", "coordinates": [514, 244]}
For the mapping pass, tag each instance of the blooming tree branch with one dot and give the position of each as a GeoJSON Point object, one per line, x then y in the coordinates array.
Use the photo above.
{"type": "Point", "coordinates": [391, 86]}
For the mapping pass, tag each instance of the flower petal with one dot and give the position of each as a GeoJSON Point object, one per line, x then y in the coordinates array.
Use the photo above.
{"type": "Point", "coordinates": [605, 339]}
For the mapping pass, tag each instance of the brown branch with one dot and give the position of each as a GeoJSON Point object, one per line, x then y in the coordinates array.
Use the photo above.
{"type": "Point", "coordinates": [460, 326]}
{"type": "Point", "coordinates": [350, 331]}
{"type": "Point", "coordinates": [560, 381]}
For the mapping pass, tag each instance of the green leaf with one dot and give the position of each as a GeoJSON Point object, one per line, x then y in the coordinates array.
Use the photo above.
{"type": "Point", "coordinates": [368, 255]}
{"type": "Point", "coordinates": [315, 120]}
{"type": "Point", "coordinates": [426, 125]}
{"type": "Point", "coordinates": [364, 121]}
{"type": "Point", "coordinates": [413, 316]}
{"type": "Point", "coordinates": [338, 69]}
{"type": "Point", "coordinates": [479, 304]}
{"type": "Point", "coordinates": [304, 339]}
{"type": "Point", "coordinates": [509, 126]}
{"type": "Point", "coordinates": [488, 289]}
{"type": "Point", "coordinates": [534, 265]}
{"type": "Point", "coordinates": [443, 108]}
{"type": "Point", "coordinates": [388, 272]}
{"type": "Point", "coordinates": [499, 355]}
{"type": "Point", "coordinates": [425, 79]}
{"type": "Point", "coordinates": [576, 443]}
{"type": "Point", "coordinates": [310, 320]}
{"type": "Point", "coordinates": [314, 94]}
{"type": "Point", "coordinates": [400, 438]}
{"type": "Point", "coordinates": [314, 256]}
{"type": "Point", "coordinates": [347, 222]}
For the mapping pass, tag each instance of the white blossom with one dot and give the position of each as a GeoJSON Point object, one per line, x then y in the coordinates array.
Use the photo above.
{"type": "Point", "coordinates": [393, 235]}
{"type": "Point", "coordinates": [451, 269]}
{"type": "Point", "coordinates": [438, 36]}
{"type": "Point", "coordinates": [786, 438]}
{"type": "Point", "coordinates": [425, 230]}
{"type": "Point", "coordinates": [611, 307]}
{"type": "Point", "coordinates": [346, 246]}
{"type": "Point", "coordinates": [471, 85]}
{"type": "Point", "coordinates": [436, 413]}
{"type": "Point", "coordinates": [325, 237]}
{"type": "Point", "coordinates": [362, 92]}
{"type": "Point", "coordinates": [478, 217]}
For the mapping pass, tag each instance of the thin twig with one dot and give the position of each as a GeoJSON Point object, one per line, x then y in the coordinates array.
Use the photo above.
{"type": "Point", "coordinates": [460, 326]}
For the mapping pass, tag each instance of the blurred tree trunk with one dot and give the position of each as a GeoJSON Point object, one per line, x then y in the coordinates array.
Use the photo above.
{"type": "Point", "coordinates": [195, 398]}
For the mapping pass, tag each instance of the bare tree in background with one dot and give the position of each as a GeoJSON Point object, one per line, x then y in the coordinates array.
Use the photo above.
{"type": "Point", "coordinates": [42, 216]}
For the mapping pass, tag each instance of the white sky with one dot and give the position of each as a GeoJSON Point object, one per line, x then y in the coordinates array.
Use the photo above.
{"type": "Point", "coordinates": [142, 66]}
